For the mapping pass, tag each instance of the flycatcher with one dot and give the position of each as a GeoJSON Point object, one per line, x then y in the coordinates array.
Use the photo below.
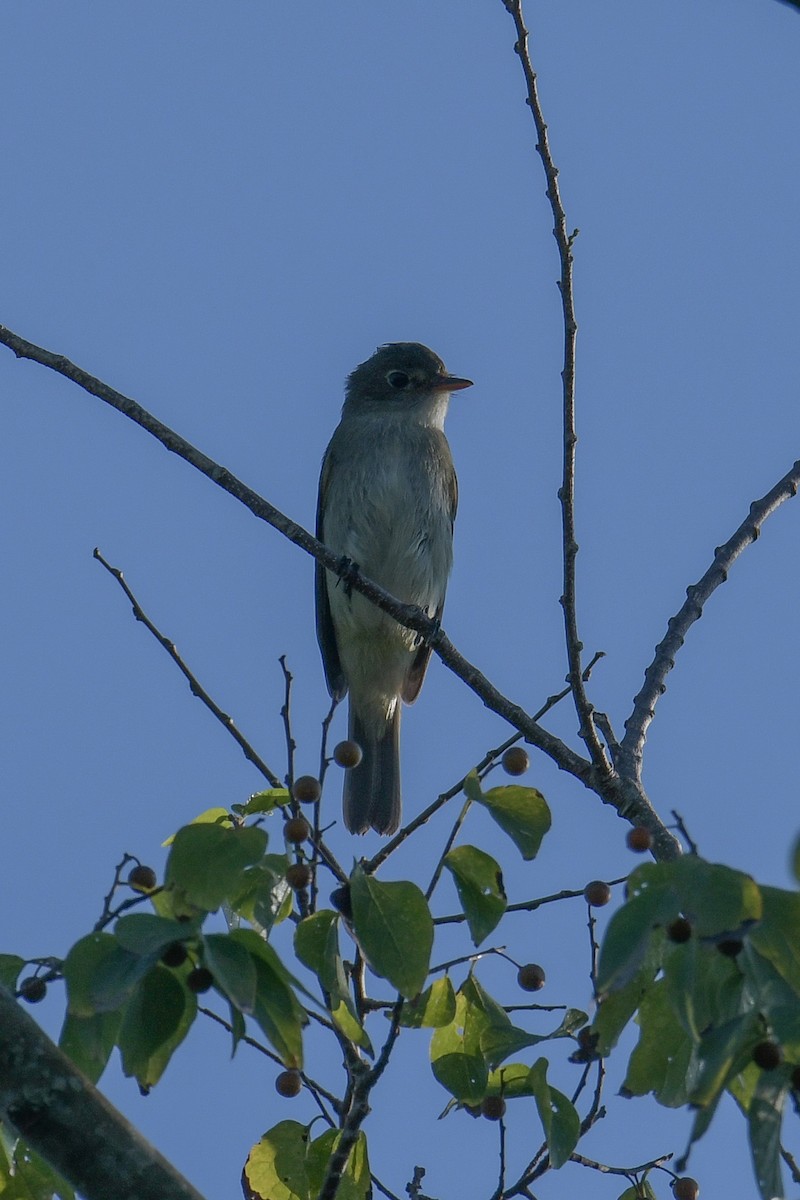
{"type": "Point", "coordinates": [387, 501]}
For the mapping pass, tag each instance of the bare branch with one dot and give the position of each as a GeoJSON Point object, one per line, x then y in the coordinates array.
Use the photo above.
{"type": "Point", "coordinates": [624, 794]}
{"type": "Point", "coordinates": [566, 494]}
{"type": "Point", "coordinates": [632, 745]}
{"type": "Point", "coordinates": [194, 685]}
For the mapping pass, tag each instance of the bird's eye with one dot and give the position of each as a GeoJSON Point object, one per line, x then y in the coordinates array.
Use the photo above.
{"type": "Point", "coordinates": [398, 380]}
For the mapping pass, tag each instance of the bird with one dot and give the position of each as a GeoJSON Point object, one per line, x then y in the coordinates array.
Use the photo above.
{"type": "Point", "coordinates": [388, 495]}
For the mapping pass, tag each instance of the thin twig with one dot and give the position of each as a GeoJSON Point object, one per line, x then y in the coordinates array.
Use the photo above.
{"type": "Point", "coordinates": [528, 905]}
{"type": "Point", "coordinates": [286, 717]}
{"type": "Point", "coordinates": [637, 724]}
{"type": "Point", "coordinates": [194, 685]}
{"type": "Point", "coordinates": [324, 762]}
{"type": "Point", "coordinates": [315, 1088]}
{"type": "Point", "coordinates": [486, 762]}
{"type": "Point", "coordinates": [566, 494]}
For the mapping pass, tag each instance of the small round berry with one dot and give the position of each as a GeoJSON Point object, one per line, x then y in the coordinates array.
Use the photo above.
{"type": "Point", "coordinates": [174, 955]}
{"type": "Point", "coordinates": [199, 980]}
{"type": "Point", "coordinates": [730, 947]}
{"type": "Point", "coordinates": [347, 755]}
{"type": "Point", "coordinates": [288, 1084]}
{"type": "Point", "coordinates": [306, 789]}
{"type": "Point", "coordinates": [679, 930]}
{"type": "Point", "coordinates": [639, 839]}
{"type": "Point", "coordinates": [587, 1039]}
{"type": "Point", "coordinates": [342, 901]}
{"type": "Point", "coordinates": [531, 977]}
{"type": "Point", "coordinates": [767, 1055]}
{"type": "Point", "coordinates": [33, 989]}
{"type": "Point", "coordinates": [298, 876]}
{"type": "Point", "coordinates": [597, 893]}
{"type": "Point", "coordinates": [685, 1188]}
{"type": "Point", "coordinates": [142, 878]}
{"type": "Point", "coordinates": [296, 830]}
{"type": "Point", "coordinates": [515, 760]}
{"type": "Point", "coordinates": [493, 1107]}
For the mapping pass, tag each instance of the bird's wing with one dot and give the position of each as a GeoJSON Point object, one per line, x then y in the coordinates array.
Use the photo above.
{"type": "Point", "coordinates": [326, 635]}
{"type": "Point", "coordinates": [415, 674]}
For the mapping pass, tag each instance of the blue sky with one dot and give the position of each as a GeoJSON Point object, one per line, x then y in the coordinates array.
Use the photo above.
{"type": "Point", "coordinates": [220, 210]}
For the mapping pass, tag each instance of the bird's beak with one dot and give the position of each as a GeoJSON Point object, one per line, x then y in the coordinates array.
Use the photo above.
{"type": "Point", "coordinates": [451, 383]}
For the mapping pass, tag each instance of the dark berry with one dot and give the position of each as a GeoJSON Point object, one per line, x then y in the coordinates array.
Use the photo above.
{"type": "Point", "coordinates": [347, 755]}
{"type": "Point", "coordinates": [296, 829]}
{"type": "Point", "coordinates": [342, 901]}
{"type": "Point", "coordinates": [199, 980]}
{"type": "Point", "coordinates": [767, 1056]}
{"type": "Point", "coordinates": [174, 954]}
{"type": "Point", "coordinates": [288, 1083]}
{"type": "Point", "coordinates": [515, 760]}
{"type": "Point", "coordinates": [298, 876]}
{"type": "Point", "coordinates": [33, 989]}
{"type": "Point", "coordinates": [639, 839]}
{"type": "Point", "coordinates": [142, 879]}
{"type": "Point", "coordinates": [597, 893]}
{"type": "Point", "coordinates": [730, 947]}
{"type": "Point", "coordinates": [493, 1107]}
{"type": "Point", "coordinates": [679, 930]}
{"type": "Point", "coordinates": [306, 789]}
{"type": "Point", "coordinates": [531, 977]}
{"type": "Point", "coordinates": [685, 1188]}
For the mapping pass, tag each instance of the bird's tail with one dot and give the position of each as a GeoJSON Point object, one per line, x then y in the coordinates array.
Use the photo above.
{"type": "Point", "coordinates": [372, 789]}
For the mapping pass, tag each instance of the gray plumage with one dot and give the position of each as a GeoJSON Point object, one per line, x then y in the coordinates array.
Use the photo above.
{"type": "Point", "coordinates": [387, 501]}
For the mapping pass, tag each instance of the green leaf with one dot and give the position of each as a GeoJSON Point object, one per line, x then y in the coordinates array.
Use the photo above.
{"type": "Point", "coordinates": [433, 1008]}
{"type": "Point", "coordinates": [512, 1080]}
{"type": "Point", "coordinates": [207, 861]}
{"type": "Point", "coordinates": [100, 975]}
{"type": "Point", "coordinates": [26, 1176]}
{"type": "Point", "coordinates": [211, 816]}
{"type": "Point", "coordinates": [521, 812]}
{"type": "Point", "coordinates": [479, 882]}
{"type": "Point", "coordinates": [277, 1009]}
{"type": "Point", "coordinates": [660, 1060]}
{"type": "Point", "coordinates": [266, 801]}
{"type": "Point", "coordinates": [276, 1165]}
{"type": "Point", "coordinates": [264, 897]}
{"type": "Point", "coordinates": [156, 1021]}
{"type": "Point", "coordinates": [639, 1191]}
{"type": "Point", "coordinates": [629, 934]}
{"type": "Point", "coordinates": [562, 1125]}
{"type": "Point", "coordinates": [457, 1060]}
{"type": "Point", "coordinates": [795, 860]}
{"type": "Point", "coordinates": [88, 1042]}
{"type": "Point", "coordinates": [147, 934]}
{"type": "Point", "coordinates": [723, 1052]}
{"type": "Point", "coordinates": [764, 1128]}
{"type": "Point", "coordinates": [394, 929]}
{"type": "Point", "coordinates": [10, 967]}
{"type": "Point", "coordinates": [233, 969]}
{"type": "Point", "coordinates": [617, 1008]}
{"type": "Point", "coordinates": [716, 899]}
{"type": "Point", "coordinates": [355, 1180]}
{"type": "Point", "coordinates": [775, 937]}
{"type": "Point", "coordinates": [316, 944]}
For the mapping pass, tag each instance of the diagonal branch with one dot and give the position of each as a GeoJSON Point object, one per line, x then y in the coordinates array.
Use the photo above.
{"type": "Point", "coordinates": [632, 745]}
{"type": "Point", "coordinates": [195, 686]}
{"type": "Point", "coordinates": [58, 1112]}
{"type": "Point", "coordinates": [406, 614]}
{"type": "Point", "coordinates": [566, 494]}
